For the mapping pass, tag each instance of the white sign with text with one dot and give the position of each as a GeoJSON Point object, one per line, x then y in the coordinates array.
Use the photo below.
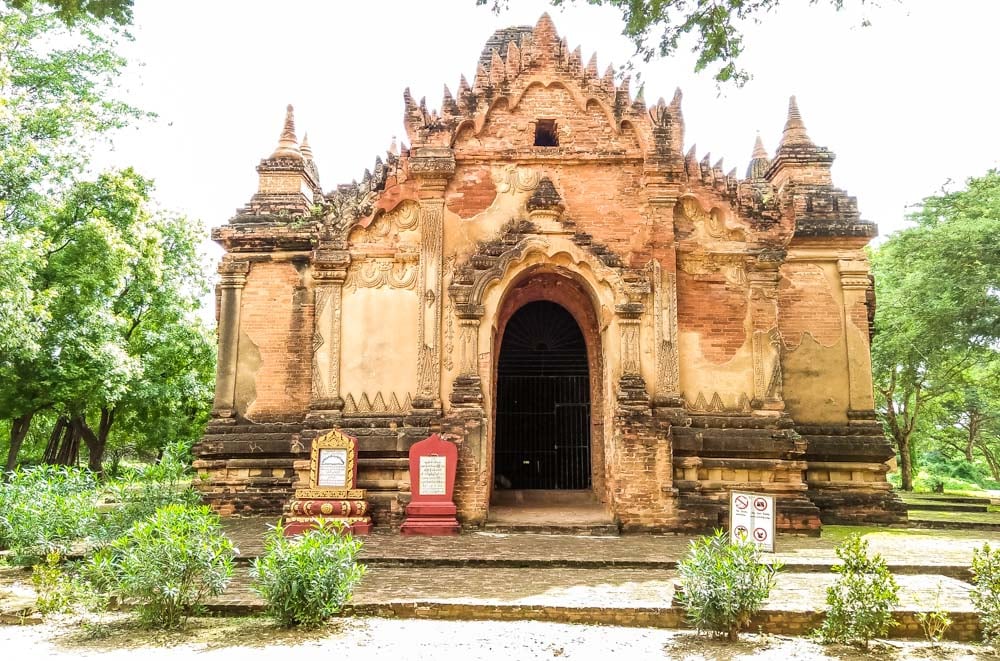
{"type": "Point", "coordinates": [751, 518]}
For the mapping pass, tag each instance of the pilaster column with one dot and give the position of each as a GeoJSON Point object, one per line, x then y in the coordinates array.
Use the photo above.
{"type": "Point", "coordinates": [234, 277]}
{"type": "Point", "coordinates": [432, 167]}
{"type": "Point", "coordinates": [667, 389]}
{"type": "Point", "coordinates": [854, 282]}
{"type": "Point", "coordinates": [467, 389]}
{"type": "Point", "coordinates": [763, 276]}
{"type": "Point", "coordinates": [662, 270]}
{"type": "Point", "coordinates": [330, 262]}
{"type": "Point", "coordinates": [631, 385]}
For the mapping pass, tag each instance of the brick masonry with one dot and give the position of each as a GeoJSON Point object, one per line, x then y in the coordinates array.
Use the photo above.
{"type": "Point", "coordinates": [726, 318]}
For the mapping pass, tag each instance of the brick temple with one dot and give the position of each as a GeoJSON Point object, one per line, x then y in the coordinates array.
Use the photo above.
{"type": "Point", "coordinates": [545, 277]}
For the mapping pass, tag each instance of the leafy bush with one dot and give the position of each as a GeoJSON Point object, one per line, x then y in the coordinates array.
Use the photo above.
{"type": "Point", "coordinates": [138, 495]}
{"type": "Point", "coordinates": [53, 587]}
{"type": "Point", "coordinates": [862, 599]}
{"type": "Point", "coordinates": [986, 593]}
{"type": "Point", "coordinates": [59, 589]}
{"type": "Point", "coordinates": [166, 565]}
{"type": "Point", "coordinates": [46, 509]}
{"type": "Point", "coordinates": [724, 583]}
{"type": "Point", "coordinates": [936, 621]}
{"type": "Point", "coordinates": [308, 578]}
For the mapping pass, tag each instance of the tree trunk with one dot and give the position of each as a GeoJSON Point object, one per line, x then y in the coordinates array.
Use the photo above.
{"type": "Point", "coordinates": [60, 448]}
{"type": "Point", "coordinates": [973, 432]}
{"type": "Point", "coordinates": [18, 431]}
{"type": "Point", "coordinates": [97, 441]}
{"type": "Point", "coordinates": [69, 447]}
{"type": "Point", "coordinates": [905, 462]}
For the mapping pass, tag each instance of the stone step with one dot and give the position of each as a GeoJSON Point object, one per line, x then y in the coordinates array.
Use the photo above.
{"type": "Point", "coordinates": [947, 498]}
{"type": "Point", "coordinates": [590, 529]}
{"type": "Point", "coordinates": [930, 506]}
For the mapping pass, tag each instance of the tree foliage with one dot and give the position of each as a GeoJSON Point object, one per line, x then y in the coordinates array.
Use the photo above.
{"type": "Point", "coordinates": [99, 292]}
{"type": "Point", "coordinates": [935, 355]}
{"type": "Point", "coordinates": [73, 11]}
{"type": "Point", "coordinates": [661, 27]}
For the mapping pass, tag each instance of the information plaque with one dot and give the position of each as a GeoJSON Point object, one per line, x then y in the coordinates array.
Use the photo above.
{"type": "Point", "coordinates": [433, 476]}
{"type": "Point", "coordinates": [332, 468]}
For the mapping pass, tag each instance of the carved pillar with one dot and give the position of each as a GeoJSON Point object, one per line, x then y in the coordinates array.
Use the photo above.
{"type": "Point", "coordinates": [854, 282]}
{"type": "Point", "coordinates": [432, 167]}
{"type": "Point", "coordinates": [234, 278]}
{"type": "Point", "coordinates": [329, 264]}
{"type": "Point", "coordinates": [763, 277]}
{"type": "Point", "coordinates": [667, 389]}
{"type": "Point", "coordinates": [631, 386]}
{"type": "Point", "coordinates": [467, 388]}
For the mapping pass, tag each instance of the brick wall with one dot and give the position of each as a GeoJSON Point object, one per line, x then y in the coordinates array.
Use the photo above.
{"type": "Point", "coordinates": [716, 310]}
{"type": "Point", "coordinates": [277, 316]}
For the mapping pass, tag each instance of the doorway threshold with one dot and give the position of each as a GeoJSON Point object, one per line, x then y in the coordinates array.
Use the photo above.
{"type": "Point", "coordinates": [549, 511]}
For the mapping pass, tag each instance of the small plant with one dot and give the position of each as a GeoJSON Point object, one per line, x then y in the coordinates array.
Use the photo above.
{"type": "Point", "coordinates": [59, 589]}
{"type": "Point", "coordinates": [54, 589]}
{"type": "Point", "coordinates": [986, 591]}
{"type": "Point", "coordinates": [724, 584]}
{"type": "Point", "coordinates": [166, 565]}
{"type": "Point", "coordinates": [935, 622]}
{"type": "Point", "coordinates": [308, 578]}
{"type": "Point", "coordinates": [862, 599]}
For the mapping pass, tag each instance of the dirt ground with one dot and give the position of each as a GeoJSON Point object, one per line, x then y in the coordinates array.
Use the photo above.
{"type": "Point", "coordinates": [255, 639]}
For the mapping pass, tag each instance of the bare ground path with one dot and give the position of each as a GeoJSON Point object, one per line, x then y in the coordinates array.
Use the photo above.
{"type": "Point", "coordinates": [363, 639]}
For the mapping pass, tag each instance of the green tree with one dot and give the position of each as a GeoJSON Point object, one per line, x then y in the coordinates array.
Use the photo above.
{"type": "Point", "coordinates": [660, 27]}
{"type": "Point", "coordinates": [57, 95]}
{"type": "Point", "coordinates": [938, 315]}
{"type": "Point", "coordinates": [123, 288]}
{"type": "Point", "coordinates": [57, 101]}
{"type": "Point", "coordinates": [72, 11]}
{"type": "Point", "coordinates": [98, 295]}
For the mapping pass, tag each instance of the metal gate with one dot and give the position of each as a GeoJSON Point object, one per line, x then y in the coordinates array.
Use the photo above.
{"type": "Point", "coordinates": [543, 402]}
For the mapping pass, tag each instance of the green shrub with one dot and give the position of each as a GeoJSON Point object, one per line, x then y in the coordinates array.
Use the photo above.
{"type": "Point", "coordinates": [137, 495]}
{"type": "Point", "coordinates": [308, 578]}
{"type": "Point", "coordinates": [724, 584]}
{"type": "Point", "coordinates": [166, 565]}
{"type": "Point", "coordinates": [862, 599]}
{"type": "Point", "coordinates": [53, 586]}
{"type": "Point", "coordinates": [986, 591]}
{"type": "Point", "coordinates": [58, 588]}
{"type": "Point", "coordinates": [46, 509]}
{"type": "Point", "coordinates": [936, 621]}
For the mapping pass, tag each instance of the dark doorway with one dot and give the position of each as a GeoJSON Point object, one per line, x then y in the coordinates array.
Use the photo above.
{"type": "Point", "coordinates": [543, 402]}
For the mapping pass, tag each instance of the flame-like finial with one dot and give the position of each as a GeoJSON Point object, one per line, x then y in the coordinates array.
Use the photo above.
{"type": "Point", "coordinates": [795, 128]}
{"type": "Point", "coordinates": [307, 152]}
{"type": "Point", "coordinates": [288, 146]}
{"type": "Point", "coordinates": [759, 160]}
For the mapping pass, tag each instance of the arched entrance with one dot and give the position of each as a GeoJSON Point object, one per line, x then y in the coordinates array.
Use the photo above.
{"type": "Point", "coordinates": [547, 436]}
{"type": "Point", "coordinates": [543, 412]}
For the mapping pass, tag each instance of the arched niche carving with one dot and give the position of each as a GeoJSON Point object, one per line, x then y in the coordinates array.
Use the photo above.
{"type": "Point", "coordinates": [495, 261]}
{"type": "Point", "coordinates": [711, 224]}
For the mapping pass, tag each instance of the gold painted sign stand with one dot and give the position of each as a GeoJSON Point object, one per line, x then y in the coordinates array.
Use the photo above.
{"type": "Point", "coordinates": [332, 493]}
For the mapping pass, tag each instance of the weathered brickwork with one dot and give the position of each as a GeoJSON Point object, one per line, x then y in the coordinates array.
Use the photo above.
{"type": "Point", "coordinates": [276, 321]}
{"type": "Point", "coordinates": [725, 319]}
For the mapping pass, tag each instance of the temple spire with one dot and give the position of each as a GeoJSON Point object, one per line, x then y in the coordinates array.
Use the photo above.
{"type": "Point", "coordinates": [305, 149]}
{"type": "Point", "coordinates": [795, 129]}
{"type": "Point", "coordinates": [288, 146]}
{"type": "Point", "coordinates": [759, 160]}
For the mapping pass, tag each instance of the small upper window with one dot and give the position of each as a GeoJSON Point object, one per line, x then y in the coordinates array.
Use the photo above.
{"type": "Point", "coordinates": [545, 133]}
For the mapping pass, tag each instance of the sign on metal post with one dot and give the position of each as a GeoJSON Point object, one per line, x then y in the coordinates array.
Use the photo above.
{"type": "Point", "coordinates": [751, 518]}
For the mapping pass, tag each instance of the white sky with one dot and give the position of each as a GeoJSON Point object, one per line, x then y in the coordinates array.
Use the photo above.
{"type": "Point", "coordinates": [906, 104]}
